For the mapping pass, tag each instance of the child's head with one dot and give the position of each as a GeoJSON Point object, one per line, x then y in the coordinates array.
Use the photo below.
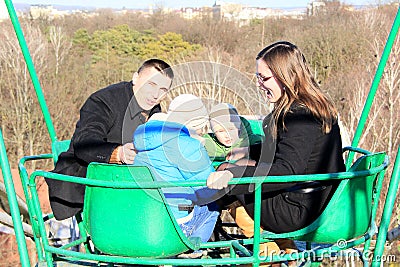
{"type": "Point", "coordinates": [190, 111]}
{"type": "Point", "coordinates": [225, 123]}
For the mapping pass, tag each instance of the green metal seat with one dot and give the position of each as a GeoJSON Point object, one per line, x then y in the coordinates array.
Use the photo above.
{"type": "Point", "coordinates": [350, 212]}
{"type": "Point", "coordinates": [256, 127]}
{"type": "Point", "coordinates": [131, 222]}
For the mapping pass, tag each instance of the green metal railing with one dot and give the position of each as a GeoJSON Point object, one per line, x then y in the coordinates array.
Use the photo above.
{"type": "Point", "coordinates": [257, 181]}
{"type": "Point", "coordinates": [387, 212]}
{"type": "Point", "coordinates": [12, 200]}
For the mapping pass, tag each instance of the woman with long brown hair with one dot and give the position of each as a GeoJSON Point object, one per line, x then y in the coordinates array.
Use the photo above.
{"type": "Point", "coordinates": [302, 137]}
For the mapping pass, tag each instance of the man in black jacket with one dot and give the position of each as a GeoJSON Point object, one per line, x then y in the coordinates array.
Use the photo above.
{"type": "Point", "coordinates": [104, 131]}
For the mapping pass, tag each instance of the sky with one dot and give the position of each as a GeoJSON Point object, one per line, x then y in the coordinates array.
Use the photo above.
{"type": "Point", "coordinates": [139, 4]}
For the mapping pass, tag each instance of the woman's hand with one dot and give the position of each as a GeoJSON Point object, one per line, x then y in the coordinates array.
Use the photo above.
{"type": "Point", "coordinates": [225, 165]}
{"type": "Point", "coordinates": [219, 179]}
{"type": "Point", "coordinates": [238, 153]}
{"type": "Point", "coordinates": [246, 162]}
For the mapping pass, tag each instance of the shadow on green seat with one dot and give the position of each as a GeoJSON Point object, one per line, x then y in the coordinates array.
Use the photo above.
{"type": "Point", "coordinates": [131, 221]}
{"type": "Point", "coordinates": [351, 212]}
{"type": "Point", "coordinates": [57, 147]}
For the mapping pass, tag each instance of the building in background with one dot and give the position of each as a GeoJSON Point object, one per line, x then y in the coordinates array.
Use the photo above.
{"type": "Point", "coordinates": [314, 7]}
{"type": "Point", "coordinates": [3, 11]}
{"type": "Point", "coordinates": [244, 14]}
{"type": "Point", "coordinates": [46, 12]}
{"type": "Point", "coordinates": [221, 10]}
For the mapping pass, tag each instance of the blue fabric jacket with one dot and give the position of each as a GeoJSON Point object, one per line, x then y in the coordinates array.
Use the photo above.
{"type": "Point", "coordinates": [172, 155]}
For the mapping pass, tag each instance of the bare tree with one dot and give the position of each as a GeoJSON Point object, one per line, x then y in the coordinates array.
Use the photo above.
{"type": "Point", "coordinates": [19, 109]}
{"type": "Point", "coordinates": [60, 44]}
{"type": "Point", "coordinates": [391, 82]}
{"type": "Point", "coordinates": [386, 128]}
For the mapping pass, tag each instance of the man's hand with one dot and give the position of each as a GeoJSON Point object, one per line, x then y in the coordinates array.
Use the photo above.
{"type": "Point", "coordinates": [219, 179]}
{"type": "Point", "coordinates": [127, 153]}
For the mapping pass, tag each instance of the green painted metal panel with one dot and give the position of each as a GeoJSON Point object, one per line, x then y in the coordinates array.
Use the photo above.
{"type": "Point", "coordinates": [130, 222]}
{"type": "Point", "coordinates": [57, 147]}
{"type": "Point", "coordinates": [387, 212]}
{"type": "Point", "coordinates": [348, 213]}
{"type": "Point", "coordinates": [256, 127]}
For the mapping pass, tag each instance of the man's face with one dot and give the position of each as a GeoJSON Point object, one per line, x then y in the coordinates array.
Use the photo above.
{"type": "Point", "coordinates": [150, 87]}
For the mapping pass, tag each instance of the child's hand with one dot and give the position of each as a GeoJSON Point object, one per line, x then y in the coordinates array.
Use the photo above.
{"type": "Point", "coordinates": [219, 179]}
{"type": "Point", "coordinates": [238, 153]}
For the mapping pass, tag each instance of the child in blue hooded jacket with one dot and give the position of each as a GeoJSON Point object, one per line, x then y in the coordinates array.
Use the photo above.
{"type": "Point", "coordinates": [169, 144]}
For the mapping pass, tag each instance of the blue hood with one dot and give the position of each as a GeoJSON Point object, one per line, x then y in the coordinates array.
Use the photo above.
{"type": "Point", "coordinates": [154, 134]}
{"type": "Point", "coordinates": [167, 149]}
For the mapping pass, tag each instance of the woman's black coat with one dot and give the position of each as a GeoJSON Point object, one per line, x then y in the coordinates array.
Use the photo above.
{"type": "Point", "coordinates": [300, 148]}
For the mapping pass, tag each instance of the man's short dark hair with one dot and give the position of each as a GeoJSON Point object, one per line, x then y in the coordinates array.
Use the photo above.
{"type": "Point", "coordinates": [159, 65]}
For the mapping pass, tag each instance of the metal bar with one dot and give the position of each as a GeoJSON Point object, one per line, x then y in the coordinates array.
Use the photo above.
{"type": "Point", "coordinates": [159, 184]}
{"type": "Point", "coordinates": [374, 86]}
{"type": "Point", "coordinates": [257, 224]}
{"type": "Point", "coordinates": [41, 227]}
{"type": "Point", "coordinates": [12, 200]}
{"type": "Point", "coordinates": [356, 149]}
{"type": "Point", "coordinates": [6, 219]}
{"type": "Point", "coordinates": [23, 173]}
{"type": "Point", "coordinates": [31, 69]}
{"type": "Point", "coordinates": [148, 261]}
{"type": "Point", "coordinates": [241, 248]}
{"type": "Point", "coordinates": [387, 212]}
